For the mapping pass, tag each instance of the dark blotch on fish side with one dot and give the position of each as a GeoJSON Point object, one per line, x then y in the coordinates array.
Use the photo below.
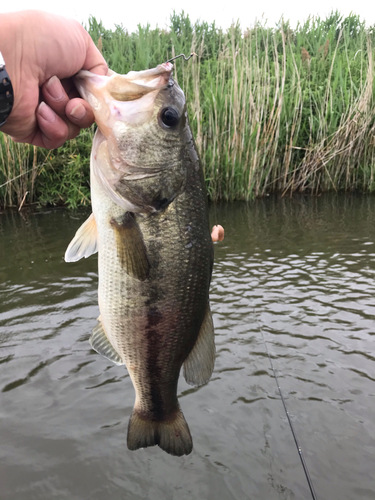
{"type": "Point", "coordinates": [154, 317]}
{"type": "Point", "coordinates": [161, 204]}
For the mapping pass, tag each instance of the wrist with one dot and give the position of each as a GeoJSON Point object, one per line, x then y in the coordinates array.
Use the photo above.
{"type": "Point", "coordinates": [11, 50]}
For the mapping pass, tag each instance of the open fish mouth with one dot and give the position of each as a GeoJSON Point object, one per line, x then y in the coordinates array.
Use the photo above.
{"type": "Point", "coordinates": [124, 87]}
{"type": "Point", "coordinates": [128, 98]}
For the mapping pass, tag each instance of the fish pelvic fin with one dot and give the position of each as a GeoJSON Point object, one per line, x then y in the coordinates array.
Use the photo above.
{"type": "Point", "coordinates": [84, 242]}
{"type": "Point", "coordinates": [172, 435]}
{"type": "Point", "coordinates": [199, 365]}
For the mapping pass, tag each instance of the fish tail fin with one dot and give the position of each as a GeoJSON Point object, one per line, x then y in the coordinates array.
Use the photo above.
{"type": "Point", "coordinates": [172, 435]}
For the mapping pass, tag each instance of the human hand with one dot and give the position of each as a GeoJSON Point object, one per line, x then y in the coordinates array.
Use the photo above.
{"type": "Point", "coordinates": [42, 52]}
{"type": "Point", "coordinates": [217, 233]}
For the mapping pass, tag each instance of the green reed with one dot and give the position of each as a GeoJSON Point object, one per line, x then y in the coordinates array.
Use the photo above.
{"type": "Point", "coordinates": [34, 175]}
{"type": "Point", "coordinates": [18, 171]}
{"type": "Point", "coordinates": [272, 109]}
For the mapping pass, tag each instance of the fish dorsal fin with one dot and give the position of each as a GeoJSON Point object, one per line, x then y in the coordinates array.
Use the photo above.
{"type": "Point", "coordinates": [130, 247]}
{"type": "Point", "coordinates": [101, 344]}
{"type": "Point", "coordinates": [199, 364]}
{"type": "Point", "coordinates": [84, 242]}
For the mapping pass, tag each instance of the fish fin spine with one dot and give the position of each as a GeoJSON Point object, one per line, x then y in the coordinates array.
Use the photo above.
{"type": "Point", "coordinates": [172, 435]}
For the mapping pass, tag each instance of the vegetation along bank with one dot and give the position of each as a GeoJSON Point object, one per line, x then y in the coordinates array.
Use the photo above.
{"type": "Point", "coordinates": [272, 110]}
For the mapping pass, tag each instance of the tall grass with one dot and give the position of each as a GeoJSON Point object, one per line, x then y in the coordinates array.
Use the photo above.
{"type": "Point", "coordinates": [19, 164]}
{"type": "Point", "coordinates": [34, 175]}
{"type": "Point", "coordinates": [272, 109]}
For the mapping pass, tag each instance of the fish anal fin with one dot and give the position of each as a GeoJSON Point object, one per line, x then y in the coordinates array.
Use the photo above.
{"type": "Point", "coordinates": [101, 344]}
{"type": "Point", "coordinates": [199, 365]}
{"type": "Point", "coordinates": [84, 242]}
{"type": "Point", "coordinates": [172, 435]}
{"type": "Point", "coordinates": [131, 248]}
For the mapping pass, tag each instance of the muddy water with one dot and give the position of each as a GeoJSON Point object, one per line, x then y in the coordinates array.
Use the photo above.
{"type": "Point", "coordinates": [299, 274]}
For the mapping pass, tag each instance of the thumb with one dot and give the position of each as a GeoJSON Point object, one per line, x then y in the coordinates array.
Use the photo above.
{"type": "Point", "coordinates": [94, 61]}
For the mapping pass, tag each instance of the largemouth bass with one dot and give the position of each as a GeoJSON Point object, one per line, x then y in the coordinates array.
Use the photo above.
{"type": "Point", "coordinates": [155, 254]}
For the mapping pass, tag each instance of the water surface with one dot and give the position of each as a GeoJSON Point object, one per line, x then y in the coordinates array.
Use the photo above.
{"type": "Point", "coordinates": [297, 273]}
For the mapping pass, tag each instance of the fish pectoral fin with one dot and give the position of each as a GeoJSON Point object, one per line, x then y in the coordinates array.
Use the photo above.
{"type": "Point", "coordinates": [101, 344]}
{"type": "Point", "coordinates": [84, 242]}
{"type": "Point", "coordinates": [199, 365]}
{"type": "Point", "coordinates": [131, 248]}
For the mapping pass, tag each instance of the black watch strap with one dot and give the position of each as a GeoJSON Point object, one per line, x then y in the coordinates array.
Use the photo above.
{"type": "Point", "coordinates": [6, 93]}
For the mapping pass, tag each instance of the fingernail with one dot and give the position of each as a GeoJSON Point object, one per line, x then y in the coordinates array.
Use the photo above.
{"type": "Point", "coordinates": [78, 112]}
{"type": "Point", "coordinates": [55, 88]}
{"type": "Point", "coordinates": [46, 112]}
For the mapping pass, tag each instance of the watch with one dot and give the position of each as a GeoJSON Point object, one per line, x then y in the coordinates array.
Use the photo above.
{"type": "Point", "coordinates": [6, 93]}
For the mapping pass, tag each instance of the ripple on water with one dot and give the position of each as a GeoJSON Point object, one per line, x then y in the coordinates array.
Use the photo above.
{"type": "Point", "coordinates": [300, 273]}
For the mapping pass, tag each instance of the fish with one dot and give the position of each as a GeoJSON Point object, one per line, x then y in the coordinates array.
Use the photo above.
{"type": "Point", "coordinates": [150, 227]}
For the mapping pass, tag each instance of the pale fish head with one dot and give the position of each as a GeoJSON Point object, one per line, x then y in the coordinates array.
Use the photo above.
{"type": "Point", "coordinates": [143, 123]}
{"type": "Point", "coordinates": [112, 97]}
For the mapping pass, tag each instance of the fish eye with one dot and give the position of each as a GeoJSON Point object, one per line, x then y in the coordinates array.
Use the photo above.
{"type": "Point", "coordinates": [169, 117]}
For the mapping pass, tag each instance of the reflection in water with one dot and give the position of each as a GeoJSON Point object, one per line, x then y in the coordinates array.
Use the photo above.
{"type": "Point", "coordinates": [301, 270]}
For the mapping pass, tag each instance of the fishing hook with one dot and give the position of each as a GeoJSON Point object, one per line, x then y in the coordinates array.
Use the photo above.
{"type": "Point", "coordinates": [182, 55]}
